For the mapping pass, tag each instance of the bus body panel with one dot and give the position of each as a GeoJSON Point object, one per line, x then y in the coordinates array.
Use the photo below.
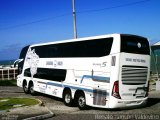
{"type": "Point", "coordinates": [118, 103]}
{"type": "Point", "coordinates": [133, 69]}
{"type": "Point", "coordinates": [134, 76]}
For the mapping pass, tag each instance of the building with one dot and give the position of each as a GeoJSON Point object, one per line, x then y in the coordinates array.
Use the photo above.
{"type": "Point", "coordinates": [155, 58]}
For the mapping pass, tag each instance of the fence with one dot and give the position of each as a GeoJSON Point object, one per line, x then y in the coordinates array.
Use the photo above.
{"type": "Point", "coordinates": [8, 73]}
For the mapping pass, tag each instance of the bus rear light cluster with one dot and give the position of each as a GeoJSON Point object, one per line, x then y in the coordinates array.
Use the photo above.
{"type": "Point", "coordinates": [115, 90]}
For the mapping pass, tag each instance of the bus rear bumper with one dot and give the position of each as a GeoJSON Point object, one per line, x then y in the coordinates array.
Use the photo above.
{"type": "Point", "coordinates": [118, 103]}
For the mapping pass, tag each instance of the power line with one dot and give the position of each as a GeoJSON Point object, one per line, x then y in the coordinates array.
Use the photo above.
{"type": "Point", "coordinates": [33, 22]}
{"type": "Point", "coordinates": [113, 7]}
{"type": "Point", "coordinates": [67, 14]}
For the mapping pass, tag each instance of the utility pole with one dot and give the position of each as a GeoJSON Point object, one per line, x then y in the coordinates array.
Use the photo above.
{"type": "Point", "coordinates": [74, 19]}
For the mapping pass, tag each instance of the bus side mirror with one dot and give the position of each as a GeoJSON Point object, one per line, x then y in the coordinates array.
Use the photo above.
{"type": "Point", "coordinates": [16, 62]}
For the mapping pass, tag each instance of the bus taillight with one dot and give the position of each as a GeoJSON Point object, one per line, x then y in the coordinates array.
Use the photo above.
{"type": "Point", "coordinates": [115, 90]}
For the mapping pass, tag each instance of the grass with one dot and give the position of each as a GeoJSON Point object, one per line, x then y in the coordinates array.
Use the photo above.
{"type": "Point", "coordinates": [8, 82]}
{"type": "Point", "coordinates": [8, 103]}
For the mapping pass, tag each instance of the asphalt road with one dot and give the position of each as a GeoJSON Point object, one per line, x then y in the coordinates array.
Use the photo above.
{"type": "Point", "coordinates": [62, 112]}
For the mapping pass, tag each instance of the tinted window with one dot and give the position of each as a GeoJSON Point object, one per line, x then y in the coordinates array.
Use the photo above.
{"type": "Point", "coordinates": [22, 56]}
{"type": "Point", "coordinates": [27, 72]}
{"type": "Point", "coordinates": [48, 74]}
{"type": "Point", "coordinates": [134, 44]}
{"type": "Point", "coordinates": [89, 48]}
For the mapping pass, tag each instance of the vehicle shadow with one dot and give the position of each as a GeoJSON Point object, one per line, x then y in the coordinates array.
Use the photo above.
{"type": "Point", "coordinates": [152, 102]}
{"type": "Point", "coordinates": [54, 98]}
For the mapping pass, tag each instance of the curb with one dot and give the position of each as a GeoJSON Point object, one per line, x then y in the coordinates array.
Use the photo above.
{"type": "Point", "coordinates": [39, 117]}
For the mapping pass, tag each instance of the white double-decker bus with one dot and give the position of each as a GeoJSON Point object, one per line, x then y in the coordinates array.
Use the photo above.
{"type": "Point", "coordinates": [108, 71]}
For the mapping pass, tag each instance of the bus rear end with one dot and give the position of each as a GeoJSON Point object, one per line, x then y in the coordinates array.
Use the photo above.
{"type": "Point", "coordinates": [130, 89]}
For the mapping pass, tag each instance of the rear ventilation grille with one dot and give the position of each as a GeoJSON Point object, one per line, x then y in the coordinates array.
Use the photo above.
{"type": "Point", "coordinates": [134, 75]}
{"type": "Point", "coordinates": [99, 97]}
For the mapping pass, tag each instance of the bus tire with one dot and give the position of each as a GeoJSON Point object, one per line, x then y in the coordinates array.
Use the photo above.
{"type": "Point", "coordinates": [31, 88]}
{"type": "Point", "coordinates": [67, 98]}
{"type": "Point", "coordinates": [25, 87]}
{"type": "Point", "coordinates": [81, 101]}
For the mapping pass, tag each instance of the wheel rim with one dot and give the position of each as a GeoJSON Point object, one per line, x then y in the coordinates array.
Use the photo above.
{"type": "Point", "coordinates": [31, 89]}
{"type": "Point", "coordinates": [81, 101]}
{"type": "Point", "coordinates": [67, 98]}
{"type": "Point", "coordinates": [25, 88]}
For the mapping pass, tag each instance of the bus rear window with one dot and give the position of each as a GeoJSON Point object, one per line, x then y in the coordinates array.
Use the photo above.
{"type": "Point", "coordinates": [134, 44]}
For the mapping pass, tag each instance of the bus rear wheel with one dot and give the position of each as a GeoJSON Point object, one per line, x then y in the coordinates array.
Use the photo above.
{"type": "Point", "coordinates": [67, 98]}
{"type": "Point", "coordinates": [31, 88]}
{"type": "Point", "coordinates": [25, 87]}
{"type": "Point", "coordinates": [81, 101]}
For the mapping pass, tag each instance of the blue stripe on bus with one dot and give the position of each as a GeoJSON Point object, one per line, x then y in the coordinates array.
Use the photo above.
{"type": "Point", "coordinates": [72, 87]}
{"type": "Point", "coordinates": [84, 89]}
{"type": "Point", "coordinates": [54, 84]}
{"type": "Point", "coordinates": [105, 79]}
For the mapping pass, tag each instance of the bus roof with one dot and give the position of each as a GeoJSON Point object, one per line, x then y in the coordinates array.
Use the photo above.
{"type": "Point", "coordinates": [82, 39]}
